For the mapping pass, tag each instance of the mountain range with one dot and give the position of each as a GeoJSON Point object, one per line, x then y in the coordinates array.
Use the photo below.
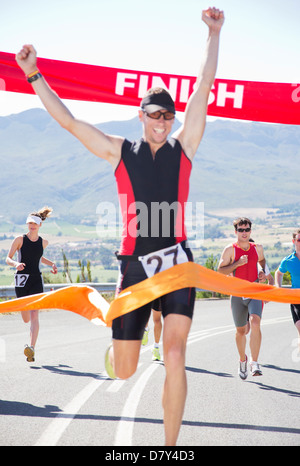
{"type": "Point", "coordinates": [238, 163]}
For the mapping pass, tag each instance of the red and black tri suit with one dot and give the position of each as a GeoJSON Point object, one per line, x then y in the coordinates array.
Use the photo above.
{"type": "Point", "coordinates": [144, 183]}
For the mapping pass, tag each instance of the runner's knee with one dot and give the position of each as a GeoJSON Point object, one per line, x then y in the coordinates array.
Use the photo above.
{"type": "Point", "coordinates": [254, 322]}
{"type": "Point", "coordinates": [126, 358]}
{"type": "Point", "coordinates": [34, 315]}
{"type": "Point", "coordinates": [241, 331]}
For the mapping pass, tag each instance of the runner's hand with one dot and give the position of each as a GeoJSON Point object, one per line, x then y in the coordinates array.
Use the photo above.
{"type": "Point", "coordinates": [54, 269]}
{"type": "Point", "coordinates": [26, 59]}
{"type": "Point", "coordinates": [262, 277]}
{"type": "Point", "coordinates": [20, 266]}
{"type": "Point", "coordinates": [214, 18]}
{"type": "Point", "coordinates": [242, 260]}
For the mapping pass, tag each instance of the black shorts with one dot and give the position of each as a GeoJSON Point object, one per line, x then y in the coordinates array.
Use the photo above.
{"type": "Point", "coordinates": [295, 310]}
{"type": "Point", "coordinates": [131, 326]}
{"type": "Point", "coordinates": [33, 285]}
{"type": "Point", "coordinates": [157, 305]}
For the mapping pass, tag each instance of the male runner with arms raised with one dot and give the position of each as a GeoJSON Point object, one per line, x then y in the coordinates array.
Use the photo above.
{"type": "Point", "coordinates": [153, 169]}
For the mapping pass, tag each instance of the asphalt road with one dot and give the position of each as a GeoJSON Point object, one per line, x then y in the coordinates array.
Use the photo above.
{"type": "Point", "coordinates": [64, 398]}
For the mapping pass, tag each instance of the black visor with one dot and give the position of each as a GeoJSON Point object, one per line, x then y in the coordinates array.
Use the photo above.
{"type": "Point", "coordinates": [163, 100]}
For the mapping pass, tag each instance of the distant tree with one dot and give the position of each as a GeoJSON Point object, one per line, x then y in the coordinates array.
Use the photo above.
{"type": "Point", "coordinates": [213, 232]}
{"type": "Point", "coordinates": [106, 257]}
{"type": "Point", "coordinates": [211, 262]}
{"type": "Point", "coordinates": [83, 278]}
{"type": "Point", "coordinates": [66, 270]}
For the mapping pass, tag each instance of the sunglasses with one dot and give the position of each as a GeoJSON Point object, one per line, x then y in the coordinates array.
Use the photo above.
{"type": "Point", "coordinates": [158, 114]}
{"type": "Point", "coordinates": [242, 230]}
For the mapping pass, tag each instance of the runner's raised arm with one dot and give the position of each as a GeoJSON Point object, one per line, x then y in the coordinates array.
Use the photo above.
{"type": "Point", "coordinates": [100, 144]}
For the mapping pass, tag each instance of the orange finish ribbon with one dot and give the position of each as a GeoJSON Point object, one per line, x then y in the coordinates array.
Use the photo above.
{"type": "Point", "coordinates": [82, 300]}
{"type": "Point", "coordinates": [87, 302]}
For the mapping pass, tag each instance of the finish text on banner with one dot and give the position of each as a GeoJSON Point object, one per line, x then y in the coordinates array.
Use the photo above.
{"type": "Point", "coordinates": [245, 100]}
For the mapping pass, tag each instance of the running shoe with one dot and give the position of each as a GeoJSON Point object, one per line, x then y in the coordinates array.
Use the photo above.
{"type": "Point", "coordinates": [108, 367]}
{"type": "Point", "coordinates": [145, 337]}
{"type": "Point", "coordinates": [29, 353]}
{"type": "Point", "coordinates": [155, 354]}
{"type": "Point", "coordinates": [243, 372]}
{"type": "Point", "coordinates": [255, 368]}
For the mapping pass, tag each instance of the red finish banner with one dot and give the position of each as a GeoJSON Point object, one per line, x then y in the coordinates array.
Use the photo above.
{"type": "Point", "coordinates": [244, 100]}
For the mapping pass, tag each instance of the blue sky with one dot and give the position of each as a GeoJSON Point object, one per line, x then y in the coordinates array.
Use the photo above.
{"type": "Point", "coordinates": [259, 42]}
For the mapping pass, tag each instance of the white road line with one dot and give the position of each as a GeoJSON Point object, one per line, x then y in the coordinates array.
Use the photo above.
{"type": "Point", "coordinates": [56, 428]}
{"type": "Point", "coordinates": [201, 335]}
{"type": "Point", "coordinates": [125, 427]}
{"type": "Point", "coordinates": [118, 383]}
{"type": "Point", "coordinates": [276, 320]}
{"type": "Point", "coordinates": [115, 386]}
{"type": "Point", "coordinates": [124, 431]}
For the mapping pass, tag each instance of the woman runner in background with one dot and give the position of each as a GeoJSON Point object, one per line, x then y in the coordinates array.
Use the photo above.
{"type": "Point", "coordinates": [28, 278]}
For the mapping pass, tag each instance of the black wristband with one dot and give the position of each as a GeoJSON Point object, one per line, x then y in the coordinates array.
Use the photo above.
{"type": "Point", "coordinates": [34, 77]}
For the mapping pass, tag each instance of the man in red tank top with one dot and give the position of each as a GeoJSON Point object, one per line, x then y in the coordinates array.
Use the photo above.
{"type": "Point", "coordinates": [242, 260]}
